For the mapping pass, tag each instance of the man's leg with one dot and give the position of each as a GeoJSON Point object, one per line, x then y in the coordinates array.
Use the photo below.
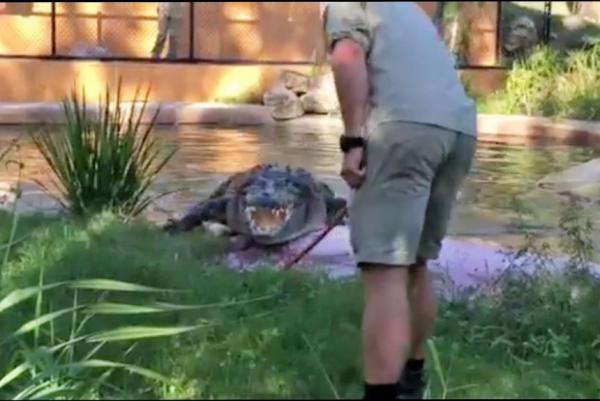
{"type": "Point", "coordinates": [386, 220]}
{"type": "Point", "coordinates": [386, 328]}
{"type": "Point", "coordinates": [444, 190]}
{"type": "Point", "coordinates": [423, 304]}
{"type": "Point", "coordinates": [161, 36]}
{"type": "Point", "coordinates": [175, 25]}
{"type": "Point", "coordinates": [423, 309]}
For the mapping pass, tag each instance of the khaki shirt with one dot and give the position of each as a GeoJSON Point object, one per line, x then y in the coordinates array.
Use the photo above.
{"type": "Point", "coordinates": [411, 72]}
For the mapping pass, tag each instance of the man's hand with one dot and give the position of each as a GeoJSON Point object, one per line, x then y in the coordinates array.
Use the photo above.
{"type": "Point", "coordinates": [353, 170]}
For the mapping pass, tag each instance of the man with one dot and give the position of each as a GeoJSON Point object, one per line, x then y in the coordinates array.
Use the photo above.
{"type": "Point", "coordinates": [393, 71]}
{"type": "Point", "coordinates": [170, 24]}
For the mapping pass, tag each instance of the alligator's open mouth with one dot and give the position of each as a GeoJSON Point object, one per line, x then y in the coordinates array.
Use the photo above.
{"type": "Point", "coordinates": [267, 221]}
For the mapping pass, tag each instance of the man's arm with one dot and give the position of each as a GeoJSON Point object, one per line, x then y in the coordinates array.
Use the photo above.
{"type": "Point", "coordinates": [349, 65]}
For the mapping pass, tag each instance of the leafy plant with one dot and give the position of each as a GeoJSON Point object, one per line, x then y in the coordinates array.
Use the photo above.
{"type": "Point", "coordinates": [531, 83]}
{"type": "Point", "coordinates": [5, 248]}
{"type": "Point", "coordinates": [105, 160]}
{"type": "Point", "coordinates": [552, 84]}
{"type": "Point", "coordinates": [50, 365]}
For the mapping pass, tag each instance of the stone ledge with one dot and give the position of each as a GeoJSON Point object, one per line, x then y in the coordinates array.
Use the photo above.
{"type": "Point", "coordinates": [500, 127]}
{"type": "Point", "coordinates": [539, 128]}
{"type": "Point", "coordinates": [170, 113]}
{"type": "Point", "coordinates": [223, 115]}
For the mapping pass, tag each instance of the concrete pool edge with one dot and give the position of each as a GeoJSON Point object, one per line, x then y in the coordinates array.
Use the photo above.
{"type": "Point", "coordinates": [216, 114]}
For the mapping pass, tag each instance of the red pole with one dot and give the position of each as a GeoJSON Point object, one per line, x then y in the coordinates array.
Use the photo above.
{"type": "Point", "coordinates": [338, 217]}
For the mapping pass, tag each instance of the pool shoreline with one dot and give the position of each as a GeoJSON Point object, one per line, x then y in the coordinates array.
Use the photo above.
{"type": "Point", "coordinates": [496, 127]}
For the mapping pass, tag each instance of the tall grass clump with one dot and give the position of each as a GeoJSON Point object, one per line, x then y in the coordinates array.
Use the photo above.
{"type": "Point", "coordinates": [580, 87]}
{"type": "Point", "coordinates": [551, 83]}
{"type": "Point", "coordinates": [104, 160]}
{"type": "Point", "coordinates": [56, 354]}
{"type": "Point", "coordinates": [531, 84]}
{"type": "Point", "coordinates": [5, 247]}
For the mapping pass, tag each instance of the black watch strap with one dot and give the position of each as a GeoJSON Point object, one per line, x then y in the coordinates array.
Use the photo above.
{"type": "Point", "coordinates": [348, 143]}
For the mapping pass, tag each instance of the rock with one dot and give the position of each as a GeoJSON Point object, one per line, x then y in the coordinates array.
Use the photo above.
{"type": "Point", "coordinates": [7, 195]}
{"type": "Point", "coordinates": [288, 110]}
{"type": "Point", "coordinates": [277, 96]}
{"type": "Point", "coordinates": [521, 38]}
{"type": "Point", "coordinates": [579, 182]}
{"type": "Point", "coordinates": [284, 103]}
{"type": "Point", "coordinates": [33, 199]}
{"type": "Point", "coordinates": [321, 97]}
{"type": "Point", "coordinates": [319, 102]}
{"type": "Point", "coordinates": [295, 81]}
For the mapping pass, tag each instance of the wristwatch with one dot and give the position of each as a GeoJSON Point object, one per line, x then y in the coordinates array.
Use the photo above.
{"type": "Point", "coordinates": [348, 143]}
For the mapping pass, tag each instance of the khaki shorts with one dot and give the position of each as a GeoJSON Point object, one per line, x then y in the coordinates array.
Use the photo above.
{"type": "Point", "coordinates": [400, 215]}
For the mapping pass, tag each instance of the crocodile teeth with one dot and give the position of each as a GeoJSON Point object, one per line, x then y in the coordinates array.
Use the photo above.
{"type": "Point", "coordinates": [281, 215]}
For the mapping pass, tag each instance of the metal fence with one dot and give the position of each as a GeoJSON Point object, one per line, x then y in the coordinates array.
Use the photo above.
{"type": "Point", "coordinates": [490, 22]}
{"type": "Point", "coordinates": [219, 32]}
{"type": "Point", "coordinates": [243, 32]}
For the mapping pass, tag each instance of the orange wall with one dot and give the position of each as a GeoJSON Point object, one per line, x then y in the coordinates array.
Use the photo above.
{"type": "Point", "coordinates": [285, 31]}
{"type": "Point", "coordinates": [37, 81]}
{"type": "Point", "coordinates": [252, 30]}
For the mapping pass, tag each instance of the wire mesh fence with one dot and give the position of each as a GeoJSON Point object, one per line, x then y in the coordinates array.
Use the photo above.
{"type": "Point", "coordinates": [479, 34]}
{"type": "Point", "coordinates": [284, 32]}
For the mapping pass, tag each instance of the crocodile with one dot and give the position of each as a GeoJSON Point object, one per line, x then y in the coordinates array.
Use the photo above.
{"type": "Point", "coordinates": [267, 205]}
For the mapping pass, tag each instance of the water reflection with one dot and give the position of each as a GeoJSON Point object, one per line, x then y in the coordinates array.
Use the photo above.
{"type": "Point", "coordinates": [206, 156]}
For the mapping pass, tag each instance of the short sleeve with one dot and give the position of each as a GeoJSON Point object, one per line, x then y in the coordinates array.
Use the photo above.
{"type": "Point", "coordinates": [346, 20]}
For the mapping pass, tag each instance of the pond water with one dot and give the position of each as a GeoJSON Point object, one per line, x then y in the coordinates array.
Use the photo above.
{"type": "Point", "coordinates": [205, 156]}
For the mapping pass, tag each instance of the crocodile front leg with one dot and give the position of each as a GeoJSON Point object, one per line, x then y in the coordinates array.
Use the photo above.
{"type": "Point", "coordinates": [210, 210]}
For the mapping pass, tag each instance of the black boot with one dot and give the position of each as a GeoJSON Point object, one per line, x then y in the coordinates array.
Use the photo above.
{"type": "Point", "coordinates": [411, 385]}
{"type": "Point", "coordinates": [380, 392]}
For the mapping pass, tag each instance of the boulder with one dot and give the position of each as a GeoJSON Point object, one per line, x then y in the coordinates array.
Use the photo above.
{"type": "Point", "coordinates": [318, 102]}
{"type": "Point", "coordinates": [8, 195]}
{"type": "Point", "coordinates": [578, 182]}
{"type": "Point", "coordinates": [521, 38]}
{"type": "Point", "coordinates": [277, 95]}
{"type": "Point", "coordinates": [288, 110]}
{"type": "Point", "coordinates": [284, 103]}
{"type": "Point", "coordinates": [321, 97]}
{"type": "Point", "coordinates": [295, 81]}
{"type": "Point", "coordinates": [33, 199]}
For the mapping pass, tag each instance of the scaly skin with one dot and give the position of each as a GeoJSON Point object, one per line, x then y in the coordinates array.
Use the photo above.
{"type": "Point", "coordinates": [267, 205]}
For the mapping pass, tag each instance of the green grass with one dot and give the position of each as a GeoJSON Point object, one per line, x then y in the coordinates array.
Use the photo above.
{"type": "Point", "coordinates": [538, 338]}
{"type": "Point", "coordinates": [551, 84]}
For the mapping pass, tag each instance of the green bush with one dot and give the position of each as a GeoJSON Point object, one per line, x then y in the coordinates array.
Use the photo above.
{"type": "Point", "coordinates": [105, 160]}
{"type": "Point", "coordinates": [551, 84]}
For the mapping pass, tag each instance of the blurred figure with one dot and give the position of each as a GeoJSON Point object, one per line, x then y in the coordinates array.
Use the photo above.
{"type": "Point", "coordinates": [170, 25]}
